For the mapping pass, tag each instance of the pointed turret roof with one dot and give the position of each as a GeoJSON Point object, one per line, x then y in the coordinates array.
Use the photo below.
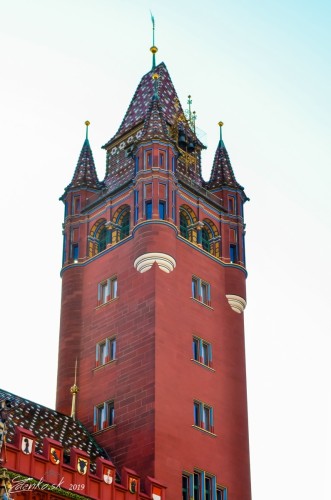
{"type": "Point", "coordinates": [222, 172]}
{"type": "Point", "coordinates": [155, 125]}
{"type": "Point", "coordinates": [85, 174]}
{"type": "Point", "coordinates": [140, 104]}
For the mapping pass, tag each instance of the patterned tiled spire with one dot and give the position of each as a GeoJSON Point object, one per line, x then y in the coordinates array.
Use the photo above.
{"type": "Point", "coordinates": [155, 125]}
{"type": "Point", "coordinates": [85, 174]}
{"type": "Point", "coordinates": [140, 103]}
{"type": "Point", "coordinates": [222, 173]}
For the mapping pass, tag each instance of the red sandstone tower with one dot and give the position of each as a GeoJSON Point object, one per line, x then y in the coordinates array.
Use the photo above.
{"type": "Point", "coordinates": [152, 302]}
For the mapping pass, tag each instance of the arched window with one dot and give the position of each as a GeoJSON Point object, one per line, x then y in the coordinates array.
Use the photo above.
{"type": "Point", "coordinates": [125, 225]}
{"type": "Point", "coordinates": [183, 225]}
{"type": "Point", "coordinates": [205, 240]}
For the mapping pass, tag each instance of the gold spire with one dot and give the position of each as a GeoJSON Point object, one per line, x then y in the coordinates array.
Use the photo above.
{"type": "Point", "coordinates": [74, 390]}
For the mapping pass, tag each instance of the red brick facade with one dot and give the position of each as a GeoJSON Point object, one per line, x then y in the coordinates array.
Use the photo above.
{"type": "Point", "coordinates": [171, 411]}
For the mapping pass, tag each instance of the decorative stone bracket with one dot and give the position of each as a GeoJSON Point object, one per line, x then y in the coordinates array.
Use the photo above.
{"type": "Point", "coordinates": [237, 303]}
{"type": "Point", "coordinates": [165, 262]}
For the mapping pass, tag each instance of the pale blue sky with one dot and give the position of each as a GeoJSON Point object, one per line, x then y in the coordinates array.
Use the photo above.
{"type": "Point", "coordinates": [262, 67]}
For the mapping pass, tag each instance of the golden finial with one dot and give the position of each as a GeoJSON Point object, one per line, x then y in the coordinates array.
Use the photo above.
{"type": "Point", "coordinates": [74, 390]}
{"type": "Point", "coordinates": [153, 49]}
{"type": "Point", "coordinates": [221, 124]}
{"type": "Point", "coordinates": [87, 123]}
{"type": "Point", "coordinates": [155, 76]}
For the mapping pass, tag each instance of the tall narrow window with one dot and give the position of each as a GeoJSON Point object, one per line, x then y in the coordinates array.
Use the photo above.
{"type": "Point", "coordinates": [183, 226]}
{"type": "Point", "coordinates": [233, 253]}
{"type": "Point", "coordinates": [205, 240]}
{"type": "Point", "coordinates": [162, 160]}
{"type": "Point", "coordinates": [125, 226]}
{"type": "Point", "coordinates": [102, 240]}
{"type": "Point", "coordinates": [76, 205]}
{"type": "Point", "coordinates": [162, 209]}
{"type": "Point", "coordinates": [196, 486]}
{"type": "Point", "coordinates": [221, 493]}
{"type": "Point", "coordinates": [148, 209]}
{"type": "Point", "coordinates": [75, 252]}
{"type": "Point", "coordinates": [185, 487]}
{"type": "Point", "coordinates": [232, 205]}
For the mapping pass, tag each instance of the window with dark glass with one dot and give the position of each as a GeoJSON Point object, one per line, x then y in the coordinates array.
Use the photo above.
{"type": "Point", "coordinates": [185, 487]}
{"type": "Point", "coordinates": [205, 240]}
{"type": "Point", "coordinates": [196, 486]}
{"type": "Point", "coordinates": [125, 226]}
{"type": "Point", "coordinates": [183, 226]}
{"type": "Point", "coordinates": [208, 488]}
{"type": "Point", "coordinates": [162, 209]}
{"type": "Point", "coordinates": [233, 253]}
{"type": "Point", "coordinates": [75, 252]}
{"type": "Point", "coordinates": [76, 205]}
{"type": "Point", "coordinates": [148, 209]}
{"type": "Point", "coordinates": [102, 240]}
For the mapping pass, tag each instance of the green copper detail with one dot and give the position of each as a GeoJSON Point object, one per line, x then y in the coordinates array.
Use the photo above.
{"type": "Point", "coordinates": [220, 124]}
{"type": "Point", "coordinates": [87, 123]}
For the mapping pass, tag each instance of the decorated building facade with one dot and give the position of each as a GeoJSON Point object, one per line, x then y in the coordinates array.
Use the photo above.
{"type": "Point", "coordinates": [152, 329]}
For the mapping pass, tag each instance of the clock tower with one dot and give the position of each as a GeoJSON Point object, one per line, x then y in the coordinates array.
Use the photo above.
{"type": "Point", "coordinates": [153, 294]}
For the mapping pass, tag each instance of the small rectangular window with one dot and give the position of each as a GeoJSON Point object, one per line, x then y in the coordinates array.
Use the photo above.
{"type": "Point", "coordinates": [203, 416]}
{"type": "Point", "coordinates": [104, 415]}
{"type": "Point", "coordinates": [201, 290]}
{"type": "Point", "coordinates": [107, 290]}
{"type": "Point", "coordinates": [202, 351]}
{"type": "Point", "coordinates": [149, 159]}
{"type": "Point", "coordinates": [105, 351]}
{"type": "Point", "coordinates": [148, 209]}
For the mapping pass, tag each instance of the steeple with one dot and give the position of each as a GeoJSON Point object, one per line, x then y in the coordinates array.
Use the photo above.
{"type": "Point", "coordinates": [85, 174]}
{"type": "Point", "coordinates": [155, 125]}
{"type": "Point", "coordinates": [222, 173]}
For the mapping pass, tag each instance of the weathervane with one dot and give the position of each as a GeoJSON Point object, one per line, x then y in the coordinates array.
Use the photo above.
{"type": "Point", "coordinates": [153, 49]}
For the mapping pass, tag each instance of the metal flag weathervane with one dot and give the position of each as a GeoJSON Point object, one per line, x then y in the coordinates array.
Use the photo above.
{"type": "Point", "coordinates": [153, 49]}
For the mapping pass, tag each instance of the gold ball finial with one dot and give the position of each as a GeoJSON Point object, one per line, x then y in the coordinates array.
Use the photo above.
{"type": "Point", "coordinates": [221, 124]}
{"type": "Point", "coordinates": [155, 76]}
{"type": "Point", "coordinates": [87, 123]}
{"type": "Point", "coordinates": [153, 49]}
